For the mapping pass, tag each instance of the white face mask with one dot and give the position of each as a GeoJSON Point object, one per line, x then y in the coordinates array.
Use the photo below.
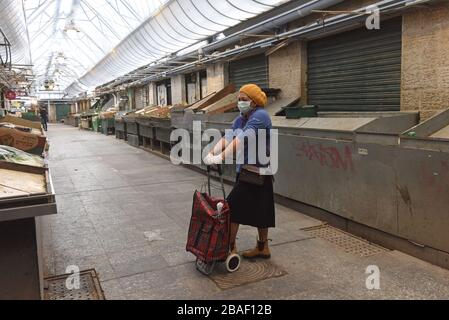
{"type": "Point", "coordinates": [244, 106]}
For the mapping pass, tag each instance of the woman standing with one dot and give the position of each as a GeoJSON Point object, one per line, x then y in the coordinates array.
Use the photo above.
{"type": "Point", "coordinates": [251, 200]}
{"type": "Point", "coordinates": [44, 117]}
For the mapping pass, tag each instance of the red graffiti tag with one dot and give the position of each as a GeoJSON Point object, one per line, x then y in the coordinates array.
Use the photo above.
{"type": "Point", "coordinates": [330, 157]}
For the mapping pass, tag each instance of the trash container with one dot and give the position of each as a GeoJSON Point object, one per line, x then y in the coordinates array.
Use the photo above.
{"type": "Point", "coordinates": [297, 112]}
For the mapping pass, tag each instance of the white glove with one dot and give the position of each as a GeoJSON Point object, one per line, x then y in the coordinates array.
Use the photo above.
{"type": "Point", "coordinates": [211, 159]}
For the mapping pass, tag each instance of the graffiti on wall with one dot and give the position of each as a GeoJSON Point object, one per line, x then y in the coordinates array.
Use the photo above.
{"type": "Point", "coordinates": [331, 157]}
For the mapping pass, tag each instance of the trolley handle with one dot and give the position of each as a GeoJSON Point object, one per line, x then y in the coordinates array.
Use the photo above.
{"type": "Point", "coordinates": [219, 170]}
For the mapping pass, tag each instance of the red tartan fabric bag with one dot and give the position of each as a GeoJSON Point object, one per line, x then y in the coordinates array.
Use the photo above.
{"type": "Point", "coordinates": [208, 237]}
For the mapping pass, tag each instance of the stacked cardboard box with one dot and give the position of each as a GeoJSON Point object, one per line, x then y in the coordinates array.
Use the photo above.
{"type": "Point", "coordinates": [23, 134]}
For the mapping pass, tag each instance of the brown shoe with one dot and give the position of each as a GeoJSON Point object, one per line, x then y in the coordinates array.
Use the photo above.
{"type": "Point", "coordinates": [261, 251]}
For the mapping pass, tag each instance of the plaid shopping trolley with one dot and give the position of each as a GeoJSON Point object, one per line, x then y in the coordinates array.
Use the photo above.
{"type": "Point", "coordinates": [209, 231]}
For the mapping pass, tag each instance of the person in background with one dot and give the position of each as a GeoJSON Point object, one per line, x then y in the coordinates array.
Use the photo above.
{"type": "Point", "coordinates": [250, 203]}
{"type": "Point", "coordinates": [44, 117]}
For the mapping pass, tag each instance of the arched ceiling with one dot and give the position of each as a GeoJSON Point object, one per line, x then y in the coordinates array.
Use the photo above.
{"type": "Point", "coordinates": [81, 44]}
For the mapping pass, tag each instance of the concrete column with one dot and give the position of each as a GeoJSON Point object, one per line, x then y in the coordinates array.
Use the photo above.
{"type": "Point", "coordinates": [178, 89]}
{"type": "Point", "coordinates": [152, 93]}
{"type": "Point", "coordinates": [51, 108]}
{"type": "Point", "coordinates": [198, 86]}
{"type": "Point", "coordinates": [131, 103]}
{"type": "Point", "coordinates": [116, 101]}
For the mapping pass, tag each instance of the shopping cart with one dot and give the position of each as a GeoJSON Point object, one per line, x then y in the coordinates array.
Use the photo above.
{"type": "Point", "coordinates": [209, 230]}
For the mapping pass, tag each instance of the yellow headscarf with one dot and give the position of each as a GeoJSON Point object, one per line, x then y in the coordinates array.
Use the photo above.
{"type": "Point", "coordinates": [255, 93]}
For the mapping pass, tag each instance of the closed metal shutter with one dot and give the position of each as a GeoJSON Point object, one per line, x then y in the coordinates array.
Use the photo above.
{"type": "Point", "coordinates": [358, 70]}
{"type": "Point", "coordinates": [140, 98]}
{"type": "Point", "coordinates": [249, 70]}
{"type": "Point", "coordinates": [62, 110]}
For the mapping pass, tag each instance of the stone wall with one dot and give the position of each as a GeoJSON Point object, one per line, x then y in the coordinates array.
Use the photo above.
{"type": "Point", "coordinates": [285, 70]}
{"type": "Point", "coordinates": [425, 60]}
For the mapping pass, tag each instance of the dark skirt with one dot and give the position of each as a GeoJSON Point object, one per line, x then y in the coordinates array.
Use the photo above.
{"type": "Point", "coordinates": [253, 205]}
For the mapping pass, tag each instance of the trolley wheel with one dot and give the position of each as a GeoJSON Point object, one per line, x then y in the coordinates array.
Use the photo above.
{"type": "Point", "coordinates": [233, 263]}
{"type": "Point", "coordinates": [205, 267]}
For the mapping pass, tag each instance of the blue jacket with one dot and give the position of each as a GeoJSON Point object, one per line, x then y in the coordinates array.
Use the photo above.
{"type": "Point", "coordinates": [245, 126]}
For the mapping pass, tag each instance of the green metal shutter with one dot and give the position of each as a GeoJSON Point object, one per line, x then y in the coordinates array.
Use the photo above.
{"type": "Point", "coordinates": [62, 110]}
{"type": "Point", "coordinates": [249, 70]}
{"type": "Point", "coordinates": [358, 70]}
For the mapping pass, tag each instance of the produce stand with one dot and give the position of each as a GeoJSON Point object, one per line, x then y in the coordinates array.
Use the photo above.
{"type": "Point", "coordinates": [73, 120]}
{"type": "Point", "coordinates": [163, 131]}
{"type": "Point", "coordinates": [154, 128]}
{"type": "Point", "coordinates": [30, 116]}
{"type": "Point", "coordinates": [132, 129]}
{"type": "Point", "coordinates": [108, 126]}
{"type": "Point", "coordinates": [107, 115]}
{"type": "Point", "coordinates": [86, 120]}
{"type": "Point", "coordinates": [120, 126]}
{"type": "Point", "coordinates": [96, 124]}
{"type": "Point", "coordinates": [146, 132]}
{"type": "Point", "coordinates": [26, 194]}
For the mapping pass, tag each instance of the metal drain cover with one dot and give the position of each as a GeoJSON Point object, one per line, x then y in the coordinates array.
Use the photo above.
{"type": "Point", "coordinates": [249, 272]}
{"type": "Point", "coordinates": [348, 242]}
{"type": "Point", "coordinates": [89, 289]}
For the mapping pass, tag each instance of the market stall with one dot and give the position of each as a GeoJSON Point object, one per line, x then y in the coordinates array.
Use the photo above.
{"type": "Point", "coordinates": [26, 194]}
{"type": "Point", "coordinates": [146, 128]}
{"type": "Point", "coordinates": [73, 119]}
{"type": "Point", "coordinates": [108, 122]}
{"type": "Point", "coordinates": [162, 125]}
{"type": "Point", "coordinates": [86, 120]}
{"type": "Point", "coordinates": [120, 126]}
{"type": "Point", "coordinates": [132, 129]}
{"type": "Point", "coordinates": [154, 127]}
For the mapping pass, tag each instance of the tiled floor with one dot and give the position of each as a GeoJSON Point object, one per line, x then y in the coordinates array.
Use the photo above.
{"type": "Point", "coordinates": [125, 212]}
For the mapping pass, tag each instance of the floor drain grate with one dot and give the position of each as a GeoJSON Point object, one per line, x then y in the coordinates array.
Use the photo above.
{"type": "Point", "coordinates": [349, 243]}
{"type": "Point", "coordinates": [89, 289]}
{"type": "Point", "coordinates": [249, 272]}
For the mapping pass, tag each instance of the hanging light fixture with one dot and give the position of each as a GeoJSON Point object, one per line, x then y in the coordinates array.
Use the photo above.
{"type": "Point", "coordinates": [71, 28]}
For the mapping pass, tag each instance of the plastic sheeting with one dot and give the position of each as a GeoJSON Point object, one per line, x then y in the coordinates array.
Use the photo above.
{"type": "Point", "coordinates": [80, 44]}
{"type": "Point", "coordinates": [68, 37]}
{"type": "Point", "coordinates": [176, 26]}
{"type": "Point", "coordinates": [12, 23]}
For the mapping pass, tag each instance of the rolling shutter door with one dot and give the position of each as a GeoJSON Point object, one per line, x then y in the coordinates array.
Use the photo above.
{"type": "Point", "coordinates": [358, 70]}
{"type": "Point", "coordinates": [249, 70]}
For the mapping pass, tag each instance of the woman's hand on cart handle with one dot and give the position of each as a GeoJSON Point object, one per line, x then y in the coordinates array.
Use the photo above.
{"type": "Point", "coordinates": [211, 159]}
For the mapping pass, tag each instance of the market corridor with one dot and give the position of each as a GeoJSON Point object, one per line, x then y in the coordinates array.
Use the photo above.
{"type": "Point", "coordinates": [125, 212]}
